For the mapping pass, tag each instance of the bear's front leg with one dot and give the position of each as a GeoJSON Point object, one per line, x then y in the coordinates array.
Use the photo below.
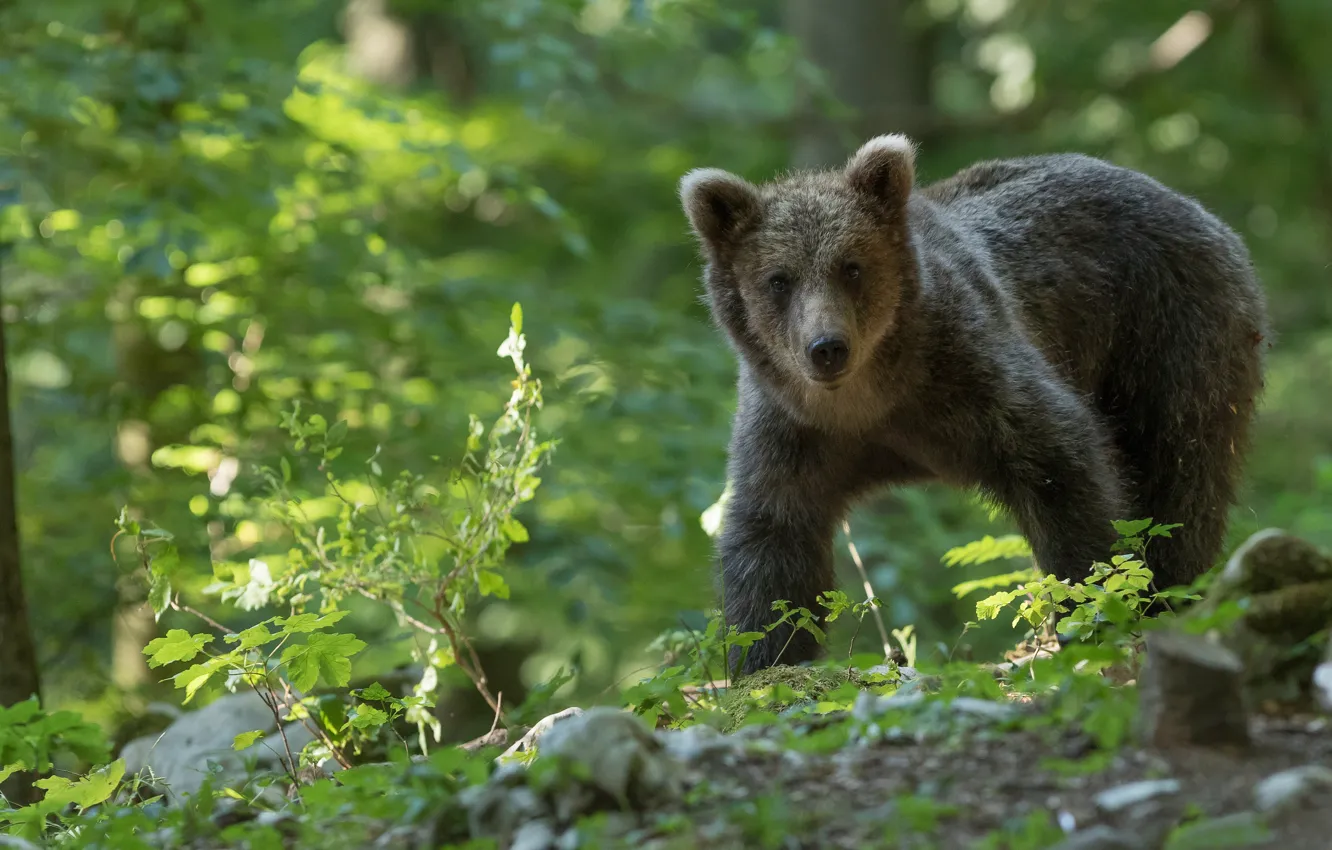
{"type": "Point", "coordinates": [1050, 461]}
{"type": "Point", "coordinates": [771, 549]}
{"type": "Point", "coordinates": [790, 485]}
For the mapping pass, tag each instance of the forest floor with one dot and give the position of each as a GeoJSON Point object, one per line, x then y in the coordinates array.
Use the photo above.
{"type": "Point", "coordinates": [1005, 786]}
{"type": "Point", "coordinates": [911, 771]}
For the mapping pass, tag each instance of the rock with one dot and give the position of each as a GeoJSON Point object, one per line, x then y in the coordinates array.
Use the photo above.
{"type": "Point", "coordinates": [1285, 587]}
{"type": "Point", "coordinates": [534, 835]}
{"type": "Point", "coordinates": [1191, 693]}
{"type": "Point", "coordinates": [1272, 559]}
{"type": "Point", "coordinates": [1101, 838]}
{"type": "Point", "coordinates": [617, 755]}
{"type": "Point", "coordinates": [870, 706]}
{"type": "Point", "coordinates": [1322, 680]}
{"type": "Point", "coordinates": [1124, 797]}
{"type": "Point", "coordinates": [499, 807]}
{"type": "Point", "coordinates": [985, 708]}
{"type": "Point", "coordinates": [696, 742]}
{"type": "Point", "coordinates": [1147, 810]}
{"type": "Point", "coordinates": [544, 725]}
{"type": "Point", "coordinates": [1291, 789]}
{"type": "Point", "coordinates": [179, 757]}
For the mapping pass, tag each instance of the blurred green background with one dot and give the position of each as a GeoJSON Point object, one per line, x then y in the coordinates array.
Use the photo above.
{"type": "Point", "coordinates": [211, 209]}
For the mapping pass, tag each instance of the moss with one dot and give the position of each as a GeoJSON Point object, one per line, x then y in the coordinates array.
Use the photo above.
{"type": "Point", "coordinates": [755, 690]}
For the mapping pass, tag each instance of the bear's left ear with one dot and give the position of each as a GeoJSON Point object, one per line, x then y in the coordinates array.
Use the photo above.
{"type": "Point", "coordinates": [884, 169]}
{"type": "Point", "coordinates": [719, 205]}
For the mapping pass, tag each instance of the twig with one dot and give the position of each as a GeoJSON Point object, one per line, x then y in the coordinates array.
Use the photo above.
{"type": "Point", "coordinates": [703, 662]}
{"type": "Point", "coordinates": [186, 609]}
{"type": "Point", "coordinates": [494, 724]}
{"type": "Point", "coordinates": [869, 591]}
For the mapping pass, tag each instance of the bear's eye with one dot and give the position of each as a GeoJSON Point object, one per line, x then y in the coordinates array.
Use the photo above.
{"type": "Point", "coordinates": [779, 282]}
{"type": "Point", "coordinates": [851, 270]}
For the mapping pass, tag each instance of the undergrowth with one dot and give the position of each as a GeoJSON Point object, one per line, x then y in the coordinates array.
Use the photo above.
{"type": "Point", "coordinates": [427, 547]}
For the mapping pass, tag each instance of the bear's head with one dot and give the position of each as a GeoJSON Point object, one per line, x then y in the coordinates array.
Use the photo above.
{"type": "Point", "coordinates": [808, 274]}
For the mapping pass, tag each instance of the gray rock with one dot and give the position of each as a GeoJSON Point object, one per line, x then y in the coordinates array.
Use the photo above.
{"type": "Point", "coordinates": [499, 808]}
{"type": "Point", "coordinates": [179, 757]}
{"type": "Point", "coordinates": [617, 755]}
{"type": "Point", "coordinates": [988, 709]}
{"type": "Point", "coordinates": [1123, 797]}
{"type": "Point", "coordinates": [534, 835]}
{"type": "Point", "coordinates": [544, 725]}
{"type": "Point", "coordinates": [696, 742]}
{"type": "Point", "coordinates": [870, 706]}
{"type": "Point", "coordinates": [1294, 788]}
{"type": "Point", "coordinates": [1101, 838]}
{"type": "Point", "coordinates": [1322, 681]}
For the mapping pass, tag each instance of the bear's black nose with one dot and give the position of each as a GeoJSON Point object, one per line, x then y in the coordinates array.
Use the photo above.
{"type": "Point", "coordinates": [829, 355]}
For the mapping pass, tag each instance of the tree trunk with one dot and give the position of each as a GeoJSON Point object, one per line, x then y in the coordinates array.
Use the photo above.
{"type": "Point", "coordinates": [397, 50]}
{"type": "Point", "coordinates": [18, 657]}
{"type": "Point", "coordinates": [876, 62]}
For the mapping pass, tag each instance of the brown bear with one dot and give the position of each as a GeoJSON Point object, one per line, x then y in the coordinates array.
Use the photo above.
{"type": "Point", "coordinates": [1073, 338]}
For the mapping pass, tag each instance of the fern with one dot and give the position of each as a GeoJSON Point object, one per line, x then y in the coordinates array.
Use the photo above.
{"type": "Point", "coordinates": [988, 549]}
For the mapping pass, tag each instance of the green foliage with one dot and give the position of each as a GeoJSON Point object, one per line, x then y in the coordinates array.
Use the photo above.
{"type": "Point", "coordinates": [1115, 593]}
{"type": "Point", "coordinates": [32, 739]}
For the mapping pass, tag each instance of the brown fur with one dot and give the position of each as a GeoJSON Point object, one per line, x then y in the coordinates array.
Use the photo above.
{"type": "Point", "coordinates": [1077, 340]}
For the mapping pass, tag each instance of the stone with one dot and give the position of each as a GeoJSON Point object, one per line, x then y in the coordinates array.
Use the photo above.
{"type": "Point", "coordinates": [534, 835]}
{"type": "Point", "coordinates": [180, 755]}
{"type": "Point", "coordinates": [1101, 838]}
{"type": "Point", "coordinates": [617, 755]}
{"type": "Point", "coordinates": [1124, 797]}
{"type": "Point", "coordinates": [1191, 693]}
{"type": "Point", "coordinates": [1294, 788]}
{"type": "Point", "coordinates": [544, 725]}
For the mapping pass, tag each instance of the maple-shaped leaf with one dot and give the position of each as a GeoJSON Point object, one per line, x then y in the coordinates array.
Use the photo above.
{"type": "Point", "coordinates": [323, 656]}
{"type": "Point", "coordinates": [92, 789]}
{"type": "Point", "coordinates": [178, 645]}
{"type": "Point", "coordinates": [304, 623]}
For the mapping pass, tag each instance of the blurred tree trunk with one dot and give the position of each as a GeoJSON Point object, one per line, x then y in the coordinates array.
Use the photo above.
{"type": "Point", "coordinates": [877, 63]}
{"type": "Point", "coordinates": [18, 657]}
{"type": "Point", "coordinates": [147, 370]}
{"type": "Point", "coordinates": [395, 50]}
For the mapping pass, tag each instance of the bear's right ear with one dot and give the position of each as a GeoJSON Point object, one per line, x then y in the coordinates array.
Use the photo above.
{"type": "Point", "coordinates": [884, 169]}
{"type": "Point", "coordinates": [719, 204]}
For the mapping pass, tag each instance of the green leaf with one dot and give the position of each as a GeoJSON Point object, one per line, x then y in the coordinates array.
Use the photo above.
{"type": "Point", "coordinates": [194, 678]}
{"type": "Point", "coordinates": [990, 582]}
{"type": "Point", "coordinates": [369, 718]}
{"type": "Point", "coordinates": [159, 595]}
{"type": "Point", "coordinates": [286, 470]}
{"type": "Point", "coordinates": [492, 584]}
{"type": "Point", "coordinates": [337, 433]}
{"type": "Point", "coordinates": [989, 608]}
{"type": "Point", "coordinates": [324, 657]}
{"type": "Point", "coordinates": [1242, 829]}
{"type": "Point", "coordinates": [516, 318]}
{"type": "Point", "coordinates": [1131, 528]}
{"type": "Point", "coordinates": [1164, 529]}
{"type": "Point", "coordinates": [988, 549]}
{"type": "Point", "coordinates": [178, 645]}
{"type": "Point", "coordinates": [376, 691]}
{"type": "Point", "coordinates": [92, 789]}
{"type": "Point", "coordinates": [255, 636]}
{"type": "Point", "coordinates": [246, 739]}
{"type": "Point", "coordinates": [514, 530]}
{"type": "Point", "coordinates": [305, 623]}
